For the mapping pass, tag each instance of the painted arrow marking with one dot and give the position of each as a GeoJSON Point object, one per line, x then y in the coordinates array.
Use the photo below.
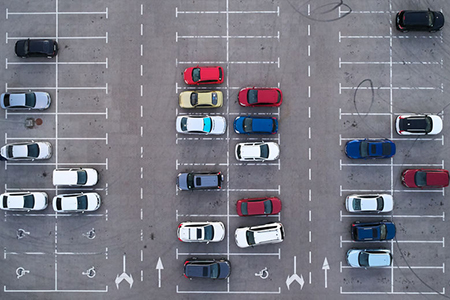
{"type": "Point", "coordinates": [124, 276]}
{"type": "Point", "coordinates": [326, 267]}
{"type": "Point", "coordinates": [295, 277]}
{"type": "Point", "coordinates": [159, 267]}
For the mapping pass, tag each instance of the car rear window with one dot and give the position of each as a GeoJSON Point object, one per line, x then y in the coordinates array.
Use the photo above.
{"type": "Point", "coordinates": [267, 207]}
{"type": "Point", "coordinates": [264, 151]}
{"type": "Point", "coordinates": [209, 232]}
{"type": "Point", "coordinates": [364, 259]}
{"type": "Point", "coordinates": [383, 232]}
{"type": "Point", "coordinates": [214, 271]}
{"type": "Point", "coordinates": [33, 150]}
{"type": "Point", "coordinates": [194, 99]}
{"type": "Point", "coordinates": [220, 73]}
{"type": "Point", "coordinates": [380, 203]}
{"type": "Point", "coordinates": [250, 237]}
{"type": "Point", "coordinates": [363, 149]}
{"type": "Point", "coordinates": [357, 204]}
{"type": "Point", "coordinates": [190, 180]}
{"type": "Point", "coordinates": [214, 99]}
{"type": "Point", "coordinates": [248, 124]}
{"type": "Point", "coordinates": [58, 203]}
{"type": "Point", "coordinates": [252, 96]}
{"type": "Point", "coordinates": [196, 74]}
{"type": "Point", "coordinates": [30, 99]}
{"type": "Point", "coordinates": [9, 151]}
{"type": "Point", "coordinates": [420, 178]}
{"type": "Point", "coordinates": [279, 97]}
{"type": "Point", "coordinates": [81, 177]}
{"type": "Point", "coordinates": [5, 201]}
{"type": "Point", "coordinates": [6, 100]}
{"type": "Point", "coordinates": [28, 201]}
{"type": "Point", "coordinates": [183, 124]}
{"type": "Point", "coordinates": [207, 124]}
{"type": "Point", "coordinates": [82, 202]}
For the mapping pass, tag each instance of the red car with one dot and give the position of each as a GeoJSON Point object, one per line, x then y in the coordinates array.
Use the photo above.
{"type": "Point", "coordinates": [203, 75]}
{"type": "Point", "coordinates": [260, 96]}
{"type": "Point", "coordinates": [258, 206]}
{"type": "Point", "coordinates": [425, 178]}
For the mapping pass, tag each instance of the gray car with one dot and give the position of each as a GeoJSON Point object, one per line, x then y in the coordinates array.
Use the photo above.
{"type": "Point", "coordinates": [199, 180]}
{"type": "Point", "coordinates": [369, 258]}
{"type": "Point", "coordinates": [22, 101]}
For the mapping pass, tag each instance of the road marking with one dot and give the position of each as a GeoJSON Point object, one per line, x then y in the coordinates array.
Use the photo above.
{"type": "Point", "coordinates": [295, 277]}
{"type": "Point", "coordinates": [159, 267]}
{"type": "Point", "coordinates": [225, 37]}
{"type": "Point", "coordinates": [124, 275]}
{"type": "Point", "coordinates": [227, 292]}
{"type": "Point", "coordinates": [393, 216]}
{"type": "Point", "coordinates": [394, 293]}
{"type": "Point", "coordinates": [63, 37]}
{"type": "Point", "coordinates": [400, 241]}
{"type": "Point", "coordinates": [226, 12]}
{"type": "Point", "coordinates": [326, 267]}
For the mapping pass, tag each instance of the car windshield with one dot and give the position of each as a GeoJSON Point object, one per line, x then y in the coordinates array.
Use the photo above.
{"type": "Point", "coordinates": [9, 151]}
{"type": "Point", "coordinates": [248, 124]}
{"type": "Point", "coordinates": [207, 124]}
{"type": "Point", "coordinates": [430, 19]}
{"type": "Point", "coordinates": [28, 201]}
{"type": "Point", "coordinates": [252, 96]}
{"type": "Point", "coordinates": [356, 204]}
{"type": "Point", "coordinates": [190, 180]}
{"type": "Point", "coordinates": [363, 149]}
{"type": "Point", "coordinates": [30, 99]}
{"type": "Point", "coordinates": [264, 151]}
{"type": "Point", "coordinates": [380, 203]}
{"type": "Point", "coordinates": [364, 259]}
{"type": "Point", "coordinates": [420, 178]}
{"type": "Point", "coordinates": [184, 124]}
{"type": "Point", "coordinates": [209, 232]}
{"type": "Point", "coordinates": [5, 201]}
{"type": "Point", "coordinates": [33, 150]}
{"type": "Point", "coordinates": [244, 209]}
{"type": "Point", "coordinates": [194, 99]}
{"type": "Point", "coordinates": [383, 232]}
{"type": "Point", "coordinates": [214, 271]}
{"type": "Point", "coordinates": [81, 177]}
{"type": "Point", "coordinates": [82, 202]}
{"type": "Point", "coordinates": [196, 74]}
{"type": "Point", "coordinates": [386, 148]}
{"type": "Point", "coordinates": [267, 207]}
{"type": "Point", "coordinates": [6, 100]}
{"type": "Point", "coordinates": [250, 237]}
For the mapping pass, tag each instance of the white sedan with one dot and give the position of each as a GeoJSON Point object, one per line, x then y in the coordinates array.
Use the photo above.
{"type": "Point", "coordinates": [201, 125]}
{"type": "Point", "coordinates": [30, 100]}
{"type": "Point", "coordinates": [24, 201]}
{"type": "Point", "coordinates": [369, 203]}
{"type": "Point", "coordinates": [201, 232]}
{"type": "Point", "coordinates": [27, 151]}
{"type": "Point", "coordinates": [75, 177]}
{"type": "Point", "coordinates": [270, 233]}
{"type": "Point", "coordinates": [418, 124]}
{"type": "Point", "coordinates": [259, 151]}
{"type": "Point", "coordinates": [76, 202]}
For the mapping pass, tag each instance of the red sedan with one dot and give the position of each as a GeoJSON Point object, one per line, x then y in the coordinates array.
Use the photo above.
{"type": "Point", "coordinates": [260, 96]}
{"type": "Point", "coordinates": [425, 178]}
{"type": "Point", "coordinates": [203, 75]}
{"type": "Point", "coordinates": [258, 206]}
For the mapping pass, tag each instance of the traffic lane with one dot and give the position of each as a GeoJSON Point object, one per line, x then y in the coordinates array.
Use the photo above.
{"type": "Point", "coordinates": [362, 126]}
{"type": "Point", "coordinates": [418, 229]}
{"type": "Point", "coordinates": [254, 73]}
{"type": "Point", "coordinates": [356, 180]}
{"type": "Point", "coordinates": [92, 152]}
{"type": "Point", "coordinates": [420, 202]}
{"type": "Point", "coordinates": [356, 49]}
{"type": "Point", "coordinates": [29, 178]}
{"type": "Point", "coordinates": [92, 77]}
{"type": "Point", "coordinates": [82, 126]}
{"type": "Point", "coordinates": [366, 280]}
{"type": "Point", "coordinates": [27, 75]}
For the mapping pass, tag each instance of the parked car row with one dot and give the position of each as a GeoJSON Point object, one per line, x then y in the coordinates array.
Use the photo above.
{"type": "Point", "coordinates": [214, 231]}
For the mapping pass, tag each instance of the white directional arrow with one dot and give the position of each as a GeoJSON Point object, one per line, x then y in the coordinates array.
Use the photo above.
{"type": "Point", "coordinates": [295, 277]}
{"type": "Point", "coordinates": [159, 267]}
{"type": "Point", "coordinates": [325, 267]}
{"type": "Point", "coordinates": [128, 278]}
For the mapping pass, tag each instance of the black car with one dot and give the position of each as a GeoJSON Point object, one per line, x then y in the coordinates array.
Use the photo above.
{"type": "Point", "coordinates": [373, 231]}
{"type": "Point", "coordinates": [36, 48]}
{"type": "Point", "coordinates": [419, 20]}
{"type": "Point", "coordinates": [207, 268]}
{"type": "Point", "coordinates": [199, 180]}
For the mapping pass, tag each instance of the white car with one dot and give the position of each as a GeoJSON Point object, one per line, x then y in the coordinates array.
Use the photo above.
{"type": "Point", "coordinates": [76, 202]}
{"type": "Point", "coordinates": [24, 201]}
{"type": "Point", "coordinates": [369, 258]}
{"type": "Point", "coordinates": [75, 177]}
{"type": "Point", "coordinates": [201, 232]}
{"type": "Point", "coordinates": [21, 101]}
{"type": "Point", "coordinates": [418, 124]}
{"type": "Point", "coordinates": [369, 203]}
{"type": "Point", "coordinates": [259, 151]}
{"type": "Point", "coordinates": [201, 125]}
{"type": "Point", "coordinates": [27, 151]}
{"type": "Point", "coordinates": [260, 234]}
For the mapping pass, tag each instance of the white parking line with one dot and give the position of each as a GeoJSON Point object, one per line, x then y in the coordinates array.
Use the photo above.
{"type": "Point", "coordinates": [352, 88]}
{"type": "Point", "coordinates": [389, 165]}
{"type": "Point", "coordinates": [61, 88]}
{"type": "Point", "coordinates": [195, 254]}
{"type": "Point", "coordinates": [8, 13]}
{"type": "Point", "coordinates": [393, 216]}
{"type": "Point", "coordinates": [59, 63]}
{"type": "Point", "coordinates": [440, 63]}
{"type": "Point", "coordinates": [177, 37]}
{"type": "Point", "coordinates": [393, 293]}
{"type": "Point", "coordinates": [227, 292]}
{"type": "Point", "coordinates": [62, 37]}
{"type": "Point", "coordinates": [59, 113]}
{"type": "Point", "coordinates": [277, 12]}
{"type": "Point", "coordinates": [398, 241]}
{"type": "Point", "coordinates": [388, 37]}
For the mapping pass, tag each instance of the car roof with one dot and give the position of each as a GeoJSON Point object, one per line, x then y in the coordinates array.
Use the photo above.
{"type": "Point", "coordinates": [195, 124]}
{"type": "Point", "coordinates": [437, 178]}
{"type": "Point", "coordinates": [268, 95]}
{"type": "Point", "coordinates": [368, 204]}
{"type": "Point", "coordinates": [205, 180]}
{"type": "Point", "coordinates": [209, 73]}
{"type": "Point", "coordinates": [249, 151]}
{"type": "Point", "coordinates": [20, 150]}
{"type": "Point", "coordinates": [416, 18]}
{"type": "Point", "coordinates": [256, 207]}
{"type": "Point", "coordinates": [267, 235]}
{"type": "Point", "coordinates": [379, 259]}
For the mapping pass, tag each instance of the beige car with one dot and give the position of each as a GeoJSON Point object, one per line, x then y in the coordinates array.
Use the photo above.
{"type": "Point", "coordinates": [201, 99]}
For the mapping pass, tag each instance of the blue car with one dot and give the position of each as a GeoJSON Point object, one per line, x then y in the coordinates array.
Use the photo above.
{"type": "Point", "coordinates": [375, 231]}
{"type": "Point", "coordinates": [256, 125]}
{"type": "Point", "coordinates": [370, 149]}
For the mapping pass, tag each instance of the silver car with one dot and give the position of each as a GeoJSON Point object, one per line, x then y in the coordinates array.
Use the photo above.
{"type": "Point", "coordinates": [270, 233]}
{"type": "Point", "coordinates": [258, 151]}
{"type": "Point", "coordinates": [22, 101]}
{"type": "Point", "coordinates": [369, 258]}
{"type": "Point", "coordinates": [76, 202]}
{"type": "Point", "coordinates": [201, 232]}
{"type": "Point", "coordinates": [27, 151]}
{"type": "Point", "coordinates": [201, 125]}
{"type": "Point", "coordinates": [24, 201]}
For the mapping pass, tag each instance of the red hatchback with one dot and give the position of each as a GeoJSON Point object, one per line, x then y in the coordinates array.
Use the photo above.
{"type": "Point", "coordinates": [203, 75]}
{"type": "Point", "coordinates": [258, 206]}
{"type": "Point", "coordinates": [425, 178]}
{"type": "Point", "coordinates": [260, 96]}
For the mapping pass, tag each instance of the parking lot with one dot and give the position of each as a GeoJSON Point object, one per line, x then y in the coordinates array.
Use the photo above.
{"type": "Point", "coordinates": [345, 72]}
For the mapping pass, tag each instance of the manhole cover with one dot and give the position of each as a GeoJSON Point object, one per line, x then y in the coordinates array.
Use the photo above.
{"type": "Point", "coordinates": [38, 121]}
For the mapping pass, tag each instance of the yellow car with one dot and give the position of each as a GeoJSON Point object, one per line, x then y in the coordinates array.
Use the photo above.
{"type": "Point", "coordinates": [201, 99]}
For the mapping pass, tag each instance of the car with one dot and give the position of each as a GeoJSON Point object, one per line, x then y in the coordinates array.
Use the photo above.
{"type": "Point", "coordinates": [24, 201]}
{"type": "Point", "coordinates": [258, 206]}
{"type": "Point", "coordinates": [425, 178]}
{"type": "Point", "coordinates": [207, 268]}
{"type": "Point", "coordinates": [258, 151]}
{"type": "Point", "coordinates": [369, 203]}
{"type": "Point", "coordinates": [260, 96]}
{"type": "Point", "coordinates": [201, 125]}
{"type": "Point", "coordinates": [369, 258]}
{"type": "Point", "coordinates": [79, 202]}
{"type": "Point", "coordinates": [201, 232]}
{"type": "Point", "coordinates": [27, 151]}
{"type": "Point", "coordinates": [418, 124]}
{"type": "Point", "coordinates": [270, 233]}
{"type": "Point", "coordinates": [75, 177]}
{"type": "Point", "coordinates": [203, 75]}
{"type": "Point", "coordinates": [419, 20]}
{"type": "Point", "coordinates": [22, 101]}
{"type": "Point", "coordinates": [199, 180]}
{"type": "Point", "coordinates": [366, 148]}
{"type": "Point", "coordinates": [201, 99]}
{"type": "Point", "coordinates": [36, 48]}
{"type": "Point", "coordinates": [255, 125]}
{"type": "Point", "coordinates": [373, 231]}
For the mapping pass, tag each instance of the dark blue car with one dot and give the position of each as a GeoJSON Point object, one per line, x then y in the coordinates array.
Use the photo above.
{"type": "Point", "coordinates": [376, 231]}
{"type": "Point", "coordinates": [256, 125]}
{"type": "Point", "coordinates": [370, 149]}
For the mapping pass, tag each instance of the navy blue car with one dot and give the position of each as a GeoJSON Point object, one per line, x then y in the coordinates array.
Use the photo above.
{"type": "Point", "coordinates": [256, 125]}
{"type": "Point", "coordinates": [207, 268]}
{"type": "Point", "coordinates": [375, 231]}
{"type": "Point", "coordinates": [370, 149]}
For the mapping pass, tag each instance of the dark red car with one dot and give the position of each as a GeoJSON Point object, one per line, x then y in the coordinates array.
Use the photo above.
{"type": "Point", "coordinates": [425, 178]}
{"type": "Point", "coordinates": [258, 206]}
{"type": "Point", "coordinates": [260, 96]}
{"type": "Point", "coordinates": [203, 75]}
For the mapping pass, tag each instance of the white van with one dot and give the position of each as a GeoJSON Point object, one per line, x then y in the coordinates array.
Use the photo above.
{"type": "Point", "coordinates": [75, 177]}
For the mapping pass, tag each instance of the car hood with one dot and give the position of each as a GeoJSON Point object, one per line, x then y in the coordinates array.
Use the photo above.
{"type": "Point", "coordinates": [42, 100]}
{"type": "Point", "coordinates": [408, 178]}
{"type": "Point", "coordinates": [352, 258]}
{"type": "Point", "coordinates": [379, 260]}
{"type": "Point", "coordinates": [45, 150]}
{"type": "Point", "coordinates": [219, 232]}
{"type": "Point", "coordinates": [182, 181]}
{"type": "Point", "coordinates": [274, 151]}
{"type": "Point", "coordinates": [391, 231]}
{"type": "Point", "coordinates": [92, 176]}
{"type": "Point", "coordinates": [224, 270]}
{"type": "Point", "coordinates": [20, 47]}
{"type": "Point", "coordinates": [240, 237]}
{"type": "Point", "coordinates": [437, 179]}
{"type": "Point", "coordinates": [268, 96]}
{"type": "Point", "coordinates": [185, 99]}
{"type": "Point", "coordinates": [438, 20]}
{"type": "Point", "coordinates": [352, 149]}
{"type": "Point", "coordinates": [239, 125]}
{"type": "Point", "coordinates": [436, 124]}
{"type": "Point", "coordinates": [219, 125]}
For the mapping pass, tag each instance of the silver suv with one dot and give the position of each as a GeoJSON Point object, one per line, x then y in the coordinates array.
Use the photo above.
{"type": "Point", "coordinates": [270, 233]}
{"type": "Point", "coordinates": [199, 180]}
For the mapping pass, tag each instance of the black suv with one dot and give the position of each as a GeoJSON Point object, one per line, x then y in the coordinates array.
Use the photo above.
{"type": "Point", "coordinates": [419, 20]}
{"type": "Point", "coordinates": [36, 48]}
{"type": "Point", "coordinates": [199, 180]}
{"type": "Point", "coordinates": [207, 268]}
